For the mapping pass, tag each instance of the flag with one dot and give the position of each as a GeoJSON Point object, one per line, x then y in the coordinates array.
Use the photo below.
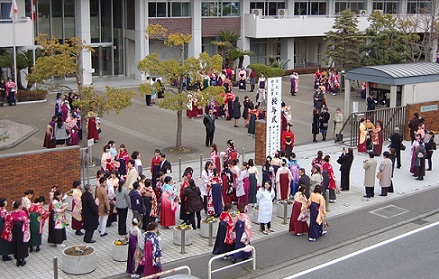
{"type": "Point", "coordinates": [14, 10]}
{"type": "Point", "coordinates": [33, 11]}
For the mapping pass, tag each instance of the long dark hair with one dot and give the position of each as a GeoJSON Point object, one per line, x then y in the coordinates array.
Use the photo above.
{"type": "Point", "coordinates": [121, 183]}
{"type": "Point", "coordinates": [59, 122]}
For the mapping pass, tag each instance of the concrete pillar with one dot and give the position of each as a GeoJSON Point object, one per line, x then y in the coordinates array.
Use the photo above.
{"type": "Point", "coordinates": [244, 42]}
{"type": "Point", "coordinates": [290, 7]}
{"type": "Point", "coordinates": [403, 7]}
{"type": "Point", "coordinates": [369, 6]}
{"type": "Point", "coordinates": [83, 31]}
{"type": "Point", "coordinates": [347, 97]}
{"type": "Point", "coordinates": [393, 96]}
{"type": "Point", "coordinates": [331, 8]}
{"type": "Point", "coordinates": [141, 42]}
{"type": "Point", "coordinates": [287, 51]}
{"type": "Point", "coordinates": [195, 44]}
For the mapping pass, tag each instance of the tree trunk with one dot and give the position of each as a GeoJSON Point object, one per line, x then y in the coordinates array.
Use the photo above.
{"type": "Point", "coordinates": [241, 61]}
{"type": "Point", "coordinates": [178, 144]}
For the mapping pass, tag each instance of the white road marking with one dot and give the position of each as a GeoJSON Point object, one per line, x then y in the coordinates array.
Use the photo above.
{"type": "Point", "coordinates": [305, 272]}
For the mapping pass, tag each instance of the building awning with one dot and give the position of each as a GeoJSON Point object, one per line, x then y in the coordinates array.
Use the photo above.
{"type": "Point", "coordinates": [397, 74]}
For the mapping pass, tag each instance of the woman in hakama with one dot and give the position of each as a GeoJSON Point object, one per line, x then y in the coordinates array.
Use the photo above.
{"type": "Point", "coordinates": [152, 250]}
{"type": "Point", "coordinates": [317, 210]}
{"type": "Point", "coordinates": [38, 216]}
{"type": "Point", "coordinates": [243, 229]}
{"type": "Point", "coordinates": [6, 247]}
{"type": "Point", "coordinates": [362, 136]}
{"type": "Point", "coordinates": [216, 193]}
{"type": "Point", "coordinates": [168, 205]}
{"type": "Point", "coordinates": [300, 207]}
{"type": "Point", "coordinates": [225, 237]}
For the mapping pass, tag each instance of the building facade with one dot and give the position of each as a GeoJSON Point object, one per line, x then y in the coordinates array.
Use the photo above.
{"type": "Point", "coordinates": [290, 30]}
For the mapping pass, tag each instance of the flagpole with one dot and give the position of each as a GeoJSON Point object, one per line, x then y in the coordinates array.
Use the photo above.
{"type": "Point", "coordinates": [14, 48]}
{"type": "Point", "coordinates": [32, 12]}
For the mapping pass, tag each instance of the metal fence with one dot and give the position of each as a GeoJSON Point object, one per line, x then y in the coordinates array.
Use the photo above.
{"type": "Point", "coordinates": [391, 117]}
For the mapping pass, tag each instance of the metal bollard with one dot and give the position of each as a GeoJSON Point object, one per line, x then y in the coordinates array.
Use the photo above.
{"type": "Point", "coordinates": [210, 233]}
{"type": "Point", "coordinates": [179, 169]}
{"type": "Point", "coordinates": [243, 155]}
{"type": "Point", "coordinates": [326, 196]}
{"type": "Point", "coordinates": [183, 241]}
{"type": "Point", "coordinates": [55, 268]}
{"type": "Point", "coordinates": [285, 213]}
{"type": "Point", "coordinates": [201, 164]}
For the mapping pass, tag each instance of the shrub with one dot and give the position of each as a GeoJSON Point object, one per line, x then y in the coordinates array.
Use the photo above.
{"type": "Point", "coordinates": [31, 95]}
{"type": "Point", "coordinates": [267, 70]}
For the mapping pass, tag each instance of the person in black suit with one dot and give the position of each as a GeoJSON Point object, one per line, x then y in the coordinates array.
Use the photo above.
{"type": "Point", "coordinates": [430, 146]}
{"type": "Point", "coordinates": [165, 165]}
{"type": "Point", "coordinates": [413, 125]}
{"type": "Point", "coordinates": [209, 123]}
{"type": "Point", "coordinates": [395, 142]}
{"type": "Point", "coordinates": [89, 214]}
{"type": "Point", "coordinates": [345, 160]}
{"type": "Point", "coordinates": [304, 180]}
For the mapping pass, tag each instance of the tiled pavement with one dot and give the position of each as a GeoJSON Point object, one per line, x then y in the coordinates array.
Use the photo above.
{"type": "Point", "coordinates": [40, 264]}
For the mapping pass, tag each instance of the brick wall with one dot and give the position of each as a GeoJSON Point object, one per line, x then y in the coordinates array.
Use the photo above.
{"type": "Point", "coordinates": [430, 117]}
{"type": "Point", "coordinates": [211, 26]}
{"type": "Point", "coordinates": [131, 15]}
{"type": "Point", "coordinates": [260, 140]}
{"type": "Point", "coordinates": [174, 25]}
{"type": "Point", "coordinates": [39, 170]}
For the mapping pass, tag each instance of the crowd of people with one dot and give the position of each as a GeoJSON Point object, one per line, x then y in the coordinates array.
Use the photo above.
{"type": "Point", "coordinates": [8, 92]}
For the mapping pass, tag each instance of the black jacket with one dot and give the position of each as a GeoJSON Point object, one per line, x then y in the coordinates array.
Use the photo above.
{"type": "Point", "coordinates": [137, 203]}
{"type": "Point", "coordinates": [165, 167]}
{"type": "Point", "coordinates": [395, 141]}
{"type": "Point", "coordinates": [346, 162]}
{"type": "Point", "coordinates": [305, 180]}
{"type": "Point", "coordinates": [192, 196]}
{"type": "Point", "coordinates": [209, 123]}
{"type": "Point", "coordinates": [89, 212]}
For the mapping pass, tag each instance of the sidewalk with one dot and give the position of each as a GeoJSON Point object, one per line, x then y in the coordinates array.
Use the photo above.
{"type": "Point", "coordinates": [39, 265]}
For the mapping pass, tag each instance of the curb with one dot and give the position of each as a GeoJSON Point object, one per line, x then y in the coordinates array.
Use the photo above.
{"type": "Point", "coordinates": [20, 140]}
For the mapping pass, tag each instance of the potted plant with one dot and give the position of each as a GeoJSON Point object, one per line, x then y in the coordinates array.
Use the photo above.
{"type": "Point", "coordinates": [78, 260]}
{"type": "Point", "coordinates": [189, 236]}
{"type": "Point", "coordinates": [120, 249]}
{"type": "Point", "coordinates": [204, 226]}
{"type": "Point", "coordinates": [280, 205]}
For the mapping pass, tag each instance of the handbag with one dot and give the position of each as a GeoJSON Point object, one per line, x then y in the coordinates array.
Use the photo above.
{"type": "Point", "coordinates": [402, 147]}
{"type": "Point", "coordinates": [379, 175]}
{"type": "Point", "coordinates": [303, 217]}
{"type": "Point", "coordinates": [420, 155]}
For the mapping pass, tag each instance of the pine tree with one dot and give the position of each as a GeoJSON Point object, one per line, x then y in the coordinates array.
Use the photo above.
{"type": "Point", "coordinates": [342, 43]}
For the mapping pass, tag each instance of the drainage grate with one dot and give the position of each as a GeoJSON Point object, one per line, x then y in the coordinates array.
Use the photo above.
{"type": "Point", "coordinates": [389, 211]}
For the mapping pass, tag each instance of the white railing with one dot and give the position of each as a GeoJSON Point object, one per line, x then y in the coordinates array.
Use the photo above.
{"type": "Point", "coordinates": [169, 271]}
{"type": "Point", "coordinates": [252, 258]}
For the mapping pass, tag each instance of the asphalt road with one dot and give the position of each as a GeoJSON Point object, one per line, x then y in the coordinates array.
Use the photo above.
{"type": "Point", "coordinates": [284, 254]}
{"type": "Point", "coordinates": [412, 255]}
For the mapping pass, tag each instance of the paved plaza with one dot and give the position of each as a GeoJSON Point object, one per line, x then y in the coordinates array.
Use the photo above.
{"type": "Point", "coordinates": [145, 129]}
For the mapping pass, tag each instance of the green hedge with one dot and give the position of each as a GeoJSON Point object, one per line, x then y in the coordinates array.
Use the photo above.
{"type": "Point", "coordinates": [267, 70]}
{"type": "Point", "coordinates": [31, 95]}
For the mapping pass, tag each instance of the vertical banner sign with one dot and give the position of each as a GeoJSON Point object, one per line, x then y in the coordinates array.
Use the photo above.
{"type": "Point", "coordinates": [274, 99]}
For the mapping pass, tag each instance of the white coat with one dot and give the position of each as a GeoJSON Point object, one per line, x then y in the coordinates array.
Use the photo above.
{"type": "Point", "coordinates": [265, 202]}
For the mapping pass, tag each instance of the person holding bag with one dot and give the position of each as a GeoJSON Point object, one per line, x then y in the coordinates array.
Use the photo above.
{"type": "Point", "coordinates": [299, 214]}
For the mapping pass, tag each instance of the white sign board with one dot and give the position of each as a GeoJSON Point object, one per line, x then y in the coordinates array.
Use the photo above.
{"type": "Point", "coordinates": [428, 108]}
{"type": "Point", "coordinates": [274, 99]}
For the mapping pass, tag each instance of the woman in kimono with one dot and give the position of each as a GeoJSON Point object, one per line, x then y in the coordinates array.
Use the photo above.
{"type": "Point", "coordinates": [17, 231]}
{"type": "Point", "coordinates": [243, 185]}
{"type": "Point", "coordinates": [378, 138]}
{"type": "Point", "coordinates": [215, 157]}
{"type": "Point", "coordinates": [225, 237]}
{"type": "Point", "coordinates": [57, 221]}
{"type": "Point", "coordinates": [26, 201]}
{"type": "Point", "coordinates": [332, 185]}
{"type": "Point", "coordinates": [421, 154]}
{"type": "Point", "coordinates": [267, 171]}
{"type": "Point", "coordinates": [362, 136]}
{"type": "Point", "coordinates": [135, 250]}
{"type": "Point", "coordinates": [242, 79]}
{"type": "Point", "coordinates": [49, 138]}
{"type": "Point", "coordinates": [77, 207]}
{"type": "Point", "coordinates": [265, 198]}
{"type": "Point", "coordinates": [187, 175]}
{"type": "Point", "coordinates": [414, 146]}
{"type": "Point", "coordinates": [155, 167]}
{"type": "Point", "coordinates": [168, 204]}
{"type": "Point", "coordinates": [6, 247]}
{"type": "Point", "coordinates": [152, 251]}
{"type": "Point", "coordinates": [253, 175]}
{"type": "Point", "coordinates": [317, 210]}
{"type": "Point", "coordinates": [92, 126]}
{"type": "Point", "coordinates": [283, 183]}
{"type": "Point", "coordinates": [38, 215]}
{"type": "Point", "coordinates": [243, 229]}
{"type": "Point", "coordinates": [216, 193]}
{"type": "Point", "coordinates": [287, 141]}
{"type": "Point", "coordinates": [227, 183]}
{"type": "Point", "coordinates": [150, 201]}
{"type": "Point", "coordinates": [123, 157]}
{"type": "Point", "coordinates": [300, 208]}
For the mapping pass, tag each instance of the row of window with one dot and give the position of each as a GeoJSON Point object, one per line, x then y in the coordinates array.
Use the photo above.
{"type": "Point", "coordinates": [310, 7]}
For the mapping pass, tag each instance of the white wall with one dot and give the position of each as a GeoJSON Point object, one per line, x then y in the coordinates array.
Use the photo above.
{"type": "Point", "coordinates": [416, 93]}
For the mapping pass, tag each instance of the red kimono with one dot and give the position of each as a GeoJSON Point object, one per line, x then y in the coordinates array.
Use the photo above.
{"type": "Point", "coordinates": [43, 212]}
{"type": "Point", "coordinates": [19, 215]}
{"type": "Point", "coordinates": [328, 167]}
{"type": "Point", "coordinates": [287, 136]}
{"type": "Point", "coordinates": [230, 234]}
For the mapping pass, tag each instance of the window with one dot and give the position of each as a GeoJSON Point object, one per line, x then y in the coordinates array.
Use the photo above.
{"type": "Point", "coordinates": [5, 9]}
{"type": "Point", "coordinates": [354, 5]}
{"type": "Point", "coordinates": [258, 47]}
{"type": "Point", "coordinates": [268, 7]}
{"type": "Point", "coordinates": [388, 7]}
{"type": "Point", "coordinates": [418, 7]}
{"type": "Point", "coordinates": [310, 8]}
{"type": "Point", "coordinates": [169, 9]}
{"type": "Point", "coordinates": [219, 8]}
